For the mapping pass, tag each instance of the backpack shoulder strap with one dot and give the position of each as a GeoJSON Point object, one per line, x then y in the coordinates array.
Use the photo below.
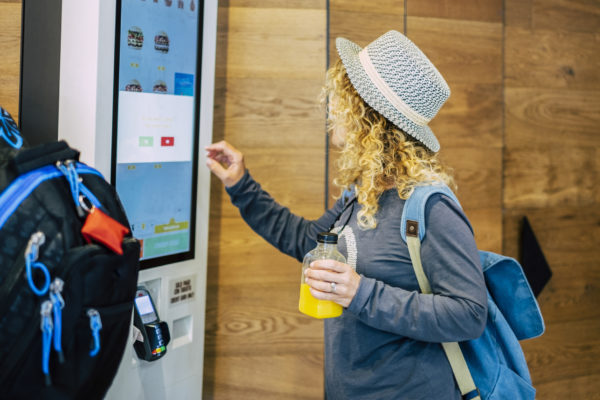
{"type": "Point", "coordinates": [412, 230]}
{"type": "Point", "coordinates": [414, 208]}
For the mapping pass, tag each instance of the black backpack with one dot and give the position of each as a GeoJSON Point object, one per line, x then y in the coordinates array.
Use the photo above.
{"type": "Point", "coordinates": [68, 273]}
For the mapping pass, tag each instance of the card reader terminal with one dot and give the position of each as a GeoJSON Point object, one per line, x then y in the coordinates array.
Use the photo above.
{"type": "Point", "coordinates": [155, 332]}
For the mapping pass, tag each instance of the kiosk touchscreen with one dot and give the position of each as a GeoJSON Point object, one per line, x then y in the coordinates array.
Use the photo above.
{"type": "Point", "coordinates": [156, 123]}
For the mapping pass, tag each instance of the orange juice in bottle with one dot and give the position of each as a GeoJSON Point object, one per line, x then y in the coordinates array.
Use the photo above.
{"type": "Point", "coordinates": [326, 250]}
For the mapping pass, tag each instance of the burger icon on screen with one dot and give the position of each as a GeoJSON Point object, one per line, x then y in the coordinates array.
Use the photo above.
{"type": "Point", "coordinates": [159, 87]}
{"type": "Point", "coordinates": [135, 38]}
{"type": "Point", "coordinates": [133, 86]}
{"type": "Point", "coordinates": [161, 42]}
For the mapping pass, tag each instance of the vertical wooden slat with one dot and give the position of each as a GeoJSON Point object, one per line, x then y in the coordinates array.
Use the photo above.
{"type": "Point", "coordinates": [270, 68]}
{"type": "Point", "coordinates": [552, 175]}
{"type": "Point", "coordinates": [468, 53]}
{"type": "Point", "coordinates": [10, 67]}
{"type": "Point", "coordinates": [360, 22]}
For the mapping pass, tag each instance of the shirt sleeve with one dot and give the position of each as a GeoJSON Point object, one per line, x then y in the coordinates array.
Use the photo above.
{"type": "Point", "coordinates": [457, 309]}
{"type": "Point", "coordinates": [289, 233]}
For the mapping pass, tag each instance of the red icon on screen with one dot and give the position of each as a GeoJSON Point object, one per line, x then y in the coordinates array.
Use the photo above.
{"type": "Point", "coordinates": [167, 141]}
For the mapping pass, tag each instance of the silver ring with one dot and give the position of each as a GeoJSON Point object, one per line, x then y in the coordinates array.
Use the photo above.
{"type": "Point", "coordinates": [332, 287]}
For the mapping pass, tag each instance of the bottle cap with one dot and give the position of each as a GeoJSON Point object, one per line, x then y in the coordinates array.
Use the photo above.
{"type": "Point", "coordinates": [327, 237]}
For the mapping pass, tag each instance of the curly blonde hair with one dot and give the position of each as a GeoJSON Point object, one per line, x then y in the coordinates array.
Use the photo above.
{"type": "Point", "coordinates": [376, 154]}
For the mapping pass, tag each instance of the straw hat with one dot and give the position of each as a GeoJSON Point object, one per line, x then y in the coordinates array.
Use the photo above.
{"type": "Point", "coordinates": [394, 77]}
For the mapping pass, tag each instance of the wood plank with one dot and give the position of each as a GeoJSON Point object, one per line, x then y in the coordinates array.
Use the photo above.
{"type": "Point", "coordinates": [568, 234]}
{"type": "Point", "coordinates": [10, 43]}
{"type": "Point", "coordinates": [463, 51]}
{"type": "Point", "coordinates": [271, 377]}
{"type": "Point", "coordinates": [581, 387]}
{"type": "Point", "coordinates": [566, 15]}
{"type": "Point", "coordinates": [362, 22]}
{"type": "Point", "coordinates": [552, 117]}
{"type": "Point", "coordinates": [248, 323]}
{"type": "Point", "coordinates": [258, 112]}
{"type": "Point", "coordinates": [294, 4]}
{"type": "Point", "coordinates": [487, 225]}
{"type": "Point", "coordinates": [536, 176]}
{"type": "Point", "coordinates": [478, 175]}
{"type": "Point", "coordinates": [568, 237]}
{"type": "Point", "coordinates": [276, 43]}
{"type": "Point", "coordinates": [472, 117]}
{"type": "Point", "coordinates": [518, 13]}
{"type": "Point", "coordinates": [476, 10]}
{"type": "Point", "coordinates": [552, 59]}
{"type": "Point", "coordinates": [566, 350]}
{"type": "Point", "coordinates": [384, 7]}
{"type": "Point", "coordinates": [245, 257]}
{"type": "Point", "coordinates": [270, 68]}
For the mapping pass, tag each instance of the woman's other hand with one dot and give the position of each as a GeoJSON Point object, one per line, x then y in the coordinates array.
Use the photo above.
{"type": "Point", "coordinates": [332, 280]}
{"type": "Point", "coordinates": [226, 162]}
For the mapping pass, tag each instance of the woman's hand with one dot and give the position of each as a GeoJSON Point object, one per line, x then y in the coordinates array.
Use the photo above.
{"type": "Point", "coordinates": [332, 280]}
{"type": "Point", "coordinates": [226, 162]}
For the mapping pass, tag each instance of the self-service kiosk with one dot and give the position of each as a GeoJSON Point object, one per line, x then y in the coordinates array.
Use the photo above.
{"type": "Point", "coordinates": [135, 96]}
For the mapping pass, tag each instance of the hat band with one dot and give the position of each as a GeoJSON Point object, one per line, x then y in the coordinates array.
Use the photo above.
{"type": "Point", "coordinates": [387, 92]}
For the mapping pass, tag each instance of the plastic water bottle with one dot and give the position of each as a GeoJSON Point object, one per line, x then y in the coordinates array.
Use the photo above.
{"type": "Point", "coordinates": [326, 250]}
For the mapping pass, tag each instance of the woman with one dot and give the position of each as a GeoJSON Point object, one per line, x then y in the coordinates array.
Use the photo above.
{"type": "Point", "coordinates": [386, 344]}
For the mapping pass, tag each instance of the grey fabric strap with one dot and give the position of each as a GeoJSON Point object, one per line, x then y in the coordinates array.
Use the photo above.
{"type": "Point", "coordinates": [453, 352]}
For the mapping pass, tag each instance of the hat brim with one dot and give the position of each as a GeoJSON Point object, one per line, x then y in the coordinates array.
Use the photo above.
{"type": "Point", "coordinates": [348, 52]}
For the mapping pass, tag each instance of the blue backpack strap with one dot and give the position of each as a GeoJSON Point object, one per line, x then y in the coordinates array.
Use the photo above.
{"type": "Point", "coordinates": [413, 231]}
{"type": "Point", "coordinates": [414, 208]}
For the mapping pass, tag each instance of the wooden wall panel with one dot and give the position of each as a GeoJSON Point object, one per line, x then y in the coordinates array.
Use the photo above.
{"type": "Point", "coordinates": [10, 43]}
{"type": "Point", "coordinates": [270, 68]}
{"type": "Point", "coordinates": [552, 175]}
{"type": "Point", "coordinates": [541, 153]}
{"type": "Point", "coordinates": [552, 59]}
{"type": "Point", "coordinates": [475, 10]}
{"type": "Point", "coordinates": [468, 53]}
{"type": "Point", "coordinates": [361, 22]}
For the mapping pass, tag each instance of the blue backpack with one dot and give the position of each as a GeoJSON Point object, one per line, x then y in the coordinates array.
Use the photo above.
{"type": "Point", "coordinates": [492, 366]}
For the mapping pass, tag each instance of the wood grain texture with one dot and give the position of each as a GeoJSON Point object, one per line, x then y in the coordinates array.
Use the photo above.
{"type": "Point", "coordinates": [581, 387]}
{"type": "Point", "coordinates": [566, 15]}
{"type": "Point", "coordinates": [478, 175]}
{"type": "Point", "coordinates": [275, 43]}
{"type": "Point", "coordinates": [569, 240]}
{"type": "Point", "coordinates": [567, 350]}
{"type": "Point", "coordinates": [292, 4]}
{"type": "Point", "coordinates": [463, 51]}
{"type": "Point", "coordinates": [472, 117]}
{"type": "Point", "coordinates": [270, 68]}
{"type": "Point", "coordinates": [261, 111]}
{"type": "Point", "coordinates": [487, 226]}
{"type": "Point", "coordinates": [551, 176]}
{"type": "Point", "coordinates": [477, 10]}
{"type": "Point", "coordinates": [518, 13]}
{"type": "Point", "coordinates": [10, 43]}
{"type": "Point", "coordinates": [552, 117]}
{"type": "Point", "coordinates": [248, 327]}
{"type": "Point", "coordinates": [552, 59]}
{"type": "Point", "coordinates": [362, 22]}
{"type": "Point", "coordinates": [554, 15]}
{"type": "Point", "coordinates": [271, 377]}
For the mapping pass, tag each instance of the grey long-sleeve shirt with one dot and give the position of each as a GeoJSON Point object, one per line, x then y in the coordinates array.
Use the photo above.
{"type": "Point", "coordinates": [385, 345]}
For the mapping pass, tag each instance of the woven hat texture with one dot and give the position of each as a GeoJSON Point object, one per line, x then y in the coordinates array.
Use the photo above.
{"type": "Point", "coordinates": [402, 67]}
